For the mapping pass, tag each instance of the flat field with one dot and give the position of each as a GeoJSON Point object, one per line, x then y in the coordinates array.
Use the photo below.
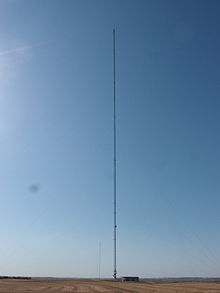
{"type": "Point", "coordinates": [84, 286]}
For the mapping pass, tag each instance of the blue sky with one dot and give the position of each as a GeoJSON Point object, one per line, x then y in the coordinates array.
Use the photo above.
{"type": "Point", "coordinates": [56, 133]}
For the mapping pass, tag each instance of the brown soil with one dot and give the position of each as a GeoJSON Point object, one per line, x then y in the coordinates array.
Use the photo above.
{"type": "Point", "coordinates": [81, 286]}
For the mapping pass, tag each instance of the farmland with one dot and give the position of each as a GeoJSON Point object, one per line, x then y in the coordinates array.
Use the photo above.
{"type": "Point", "coordinates": [91, 286]}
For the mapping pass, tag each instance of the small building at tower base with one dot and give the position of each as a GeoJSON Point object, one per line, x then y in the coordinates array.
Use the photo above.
{"type": "Point", "coordinates": [130, 279]}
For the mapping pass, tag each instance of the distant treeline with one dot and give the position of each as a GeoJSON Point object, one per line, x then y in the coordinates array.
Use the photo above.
{"type": "Point", "coordinates": [179, 280]}
{"type": "Point", "coordinates": [14, 277]}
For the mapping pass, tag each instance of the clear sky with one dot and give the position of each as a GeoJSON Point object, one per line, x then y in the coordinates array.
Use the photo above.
{"type": "Point", "coordinates": [56, 137]}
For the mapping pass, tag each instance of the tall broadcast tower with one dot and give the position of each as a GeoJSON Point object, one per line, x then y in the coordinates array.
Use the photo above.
{"type": "Point", "coordinates": [114, 163]}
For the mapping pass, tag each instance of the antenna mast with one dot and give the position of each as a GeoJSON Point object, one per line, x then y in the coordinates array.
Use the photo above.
{"type": "Point", "coordinates": [115, 157]}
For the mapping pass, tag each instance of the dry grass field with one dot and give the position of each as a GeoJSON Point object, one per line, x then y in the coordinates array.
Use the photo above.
{"type": "Point", "coordinates": [82, 286]}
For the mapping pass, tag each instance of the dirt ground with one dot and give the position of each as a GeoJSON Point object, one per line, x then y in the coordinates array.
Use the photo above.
{"type": "Point", "coordinates": [82, 286]}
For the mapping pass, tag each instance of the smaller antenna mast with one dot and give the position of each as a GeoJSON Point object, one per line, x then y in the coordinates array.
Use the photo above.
{"type": "Point", "coordinates": [99, 265]}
